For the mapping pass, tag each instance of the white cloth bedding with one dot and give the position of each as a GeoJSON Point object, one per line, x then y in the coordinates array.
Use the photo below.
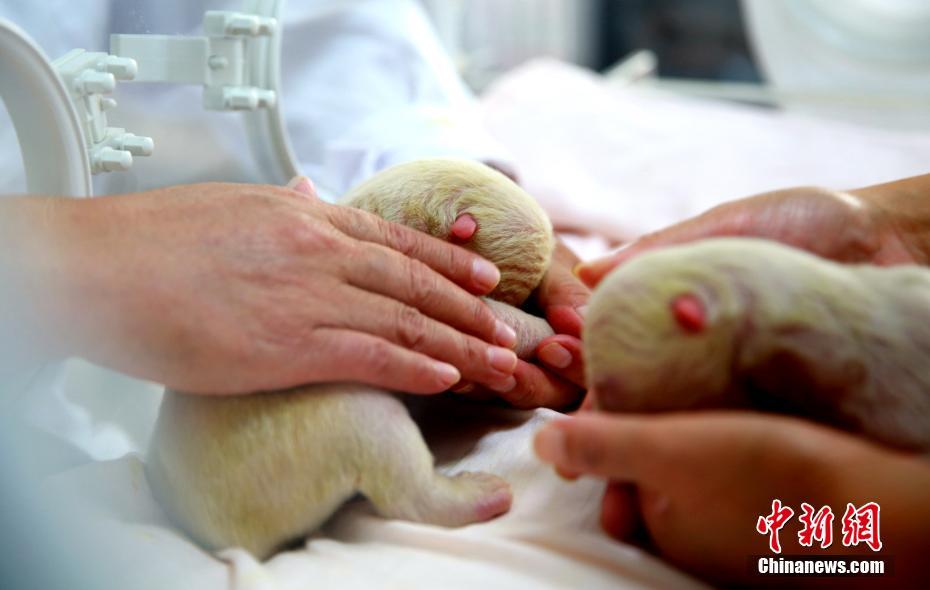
{"type": "Point", "coordinates": [609, 160]}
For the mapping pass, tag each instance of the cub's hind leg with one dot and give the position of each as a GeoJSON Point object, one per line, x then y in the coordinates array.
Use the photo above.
{"type": "Point", "coordinates": [400, 480]}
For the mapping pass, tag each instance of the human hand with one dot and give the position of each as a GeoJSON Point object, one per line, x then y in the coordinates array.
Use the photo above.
{"type": "Point", "coordinates": [557, 381]}
{"type": "Point", "coordinates": [842, 226]}
{"type": "Point", "coordinates": [698, 482]}
{"type": "Point", "coordinates": [227, 288]}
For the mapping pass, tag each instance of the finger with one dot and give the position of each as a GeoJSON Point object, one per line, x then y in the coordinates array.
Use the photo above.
{"type": "Point", "coordinates": [409, 328]}
{"type": "Point", "coordinates": [381, 270]}
{"type": "Point", "coordinates": [620, 511]}
{"type": "Point", "coordinates": [302, 185]}
{"type": "Point", "coordinates": [617, 447]}
{"type": "Point", "coordinates": [535, 387]}
{"type": "Point", "coordinates": [709, 224]}
{"type": "Point", "coordinates": [652, 449]}
{"type": "Point", "coordinates": [346, 355]}
{"type": "Point", "coordinates": [562, 296]}
{"type": "Point", "coordinates": [566, 319]}
{"type": "Point", "coordinates": [563, 356]}
{"type": "Point", "coordinates": [459, 265]}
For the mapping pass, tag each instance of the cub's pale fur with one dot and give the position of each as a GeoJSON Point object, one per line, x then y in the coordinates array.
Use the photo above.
{"type": "Point", "coordinates": [784, 330]}
{"type": "Point", "coordinates": [261, 470]}
{"type": "Point", "coordinates": [429, 195]}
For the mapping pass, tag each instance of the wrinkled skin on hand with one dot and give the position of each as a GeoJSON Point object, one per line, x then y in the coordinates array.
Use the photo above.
{"type": "Point", "coordinates": [841, 226]}
{"type": "Point", "coordinates": [222, 288]}
{"type": "Point", "coordinates": [556, 379]}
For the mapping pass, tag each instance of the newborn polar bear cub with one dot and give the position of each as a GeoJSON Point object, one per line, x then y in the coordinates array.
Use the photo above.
{"type": "Point", "coordinates": [747, 322]}
{"type": "Point", "coordinates": [259, 471]}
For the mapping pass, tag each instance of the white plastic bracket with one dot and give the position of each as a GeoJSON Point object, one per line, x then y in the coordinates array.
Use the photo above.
{"type": "Point", "coordinates": [89, 78]}
{"type": "Point", "coordinates": [220, 61]}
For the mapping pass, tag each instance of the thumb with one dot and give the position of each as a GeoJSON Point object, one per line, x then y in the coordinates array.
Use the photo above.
{"type": "Point", "coordinates": [707, 225]}
{"type": "Point", "coordinates": [610, 446]}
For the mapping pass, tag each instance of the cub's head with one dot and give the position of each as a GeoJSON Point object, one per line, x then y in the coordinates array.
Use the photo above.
{"type": "Point", "coordinates": [512, 231]}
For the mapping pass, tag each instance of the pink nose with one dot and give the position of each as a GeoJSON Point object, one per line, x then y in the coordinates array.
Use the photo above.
{"type": "Point", "coordinates": [689, 312]}
{"type": "Point", "coordinates": [464, 227]}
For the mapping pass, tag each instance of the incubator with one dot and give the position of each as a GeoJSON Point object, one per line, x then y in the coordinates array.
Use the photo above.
{"type": "Point", "coordinates": [76, 115]}
{"type": "Point", "coordinates": [61, 108]}
{"type": "Point", "coordinates": [862, 60]}
{"type": "Point", "coordinates": [70, 115]}
{"type": "Point", "coordinates": [188, 92]}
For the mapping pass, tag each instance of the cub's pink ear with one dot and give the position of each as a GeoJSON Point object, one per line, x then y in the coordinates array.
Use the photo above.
{"type": "Point", "coordinates": [689, 312]}
{"type": "Point", "coordinates": [464, 227]}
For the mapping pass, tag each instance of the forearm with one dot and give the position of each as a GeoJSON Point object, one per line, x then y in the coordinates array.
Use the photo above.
{"type": "Point", "coordinates": [34, 279]}
{"type": "Point", "coordinates": [903, 208]}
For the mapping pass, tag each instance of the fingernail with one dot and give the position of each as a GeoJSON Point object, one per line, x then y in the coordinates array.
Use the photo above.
{"type": "Point", "coordinates": [302, 184]}
{"type": "Point", "coordinates": [504, 335]}
{"type": "Point", "coordinates": [505, 386]}
{"type": "Point", "coordinates": [588, 271]}
{"type": "Point", "coordinates": [550, 444]}
{"type": "Point", "coordinates": [485, 274]}
{"type": "Point", "coordinates": [582, 311]}
{"type": "Point", "coordinates": [555, 355]}
{"type": "Point", "coordinates": [447, 374]}
{"type": "Point", "coordinates": [463, 387]}
{"type": "Point", "coordinates": [567, 474]}
{"type": "Point", "coordinates": [586, 274]}
{"type": "Point", "coordinates": [502, 359]}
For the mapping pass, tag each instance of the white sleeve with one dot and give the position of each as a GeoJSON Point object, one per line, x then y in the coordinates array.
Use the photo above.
{"type": "Point", "coordinates": [368, 85]}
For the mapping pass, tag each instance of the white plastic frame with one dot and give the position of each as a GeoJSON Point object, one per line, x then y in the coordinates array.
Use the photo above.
{"type": "Point", "coordinates": [46, 122]}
